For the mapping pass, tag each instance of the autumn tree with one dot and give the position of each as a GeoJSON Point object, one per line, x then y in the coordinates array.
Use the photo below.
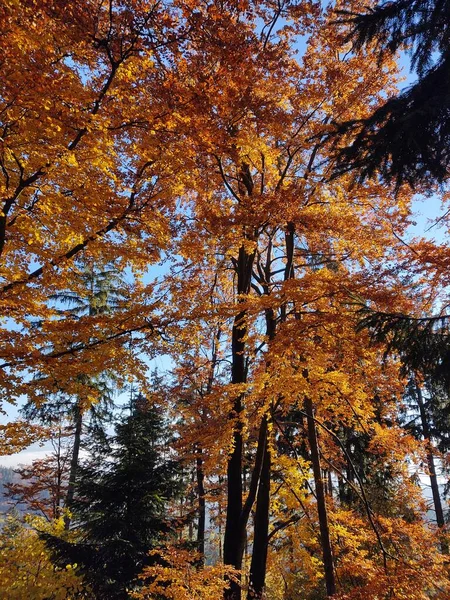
{"type": "Point", "coordinates": [26, 569]}
{"type": "Point", "coordinates": [272, 209]}
{"type": "Point", "coordinates": [19, 435]}
{"type": "Point", "coordinates": [42, 487]}
{"type": "Point", "coordinates": [190, 139]}
{"type": "Point", "coordinates": [69, 136]}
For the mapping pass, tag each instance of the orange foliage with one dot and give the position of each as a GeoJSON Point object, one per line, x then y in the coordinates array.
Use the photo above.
{"type": "Point", "coordinates": [186, 132]}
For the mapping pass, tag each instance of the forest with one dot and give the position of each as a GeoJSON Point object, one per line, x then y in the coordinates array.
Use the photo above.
{"type": "Point", "coordinates": [222, 319]}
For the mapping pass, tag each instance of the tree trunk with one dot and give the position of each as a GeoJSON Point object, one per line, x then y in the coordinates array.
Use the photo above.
{"type": "Point", "coordinates": [234, 541]}
{"type": "Point", "coordinates": [431, 466]}
{"type": "Point", "coordinates": [261, 536]}
{"type": "Point", "coordinates": [74, 463]}
{"type": "Point", "coordinates": [321, 504]}
{"type": "Point", "coordinates": [59, 478]}
{"type": "Point", "coordinates": [261, 520]}
{"type": "Point", "coordinates": [201, 506]}
{"type": "Point", "coordinates": [233, 545]}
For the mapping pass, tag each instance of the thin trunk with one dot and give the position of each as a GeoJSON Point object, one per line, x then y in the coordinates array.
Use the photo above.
{"type": "Point", "coordinates": [249, 502]}
{"type": "Point", "coordinates": [431, 465]}
{"type": "Point", "coordinates": [330, 484]}
{"type": "Point", "coordinates": [289, 268]}
{"type": "Point", "coordinates": [261, 520]}
{"type": "Point", "coordinates": [191, 506]}
{"type": "Point", "coordinates": [3, 218]}
{"type": "Point", "coordinates": [341, 490]}
{"type": "Point", "coordinates": [245, 490]}
{"type": "Point", "coordinates": [59, 476]}
{"type": "Point", "coordinates": [321, 504]}
{"type": "Point", "coordinates": [219, 516]}
{"type": "Point", "coordinates": [201, 505]}
{"type": "Point", "coordinates": [201, 525]}
{"type": "Point", "coordinates": [74, 463]}
{"type": "Point", "coordinates": [349, 494]}
{"type": "Point", "coordinates": [325, 482]}
{"type": "Point", "coordinates": [233, 544]}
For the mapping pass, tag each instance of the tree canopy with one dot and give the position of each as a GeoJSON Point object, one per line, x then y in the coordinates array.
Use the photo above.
{"type": "Point", "coordinates": [180, 144]}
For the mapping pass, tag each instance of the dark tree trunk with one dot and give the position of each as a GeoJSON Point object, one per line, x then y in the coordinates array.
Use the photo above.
{"type": "Point", "coordinates": [261, 536]}
{"type": "Point", "coordinates": [261, 519]}
{"type": "Point", "coordinates": [74, 462]}
{"type": "Point", "coordinates": [235, 590]}
{"type": "Point", "coordinates": [289, 268]}
{"type": "Point", "coordinates": [201, 505]}
{"type": "Point", "coordinates": [233, 545]}
{"type": "Point", "coordinates": [9, 203]}
{"type": "Point", "coordinates": [431, 466]}
{"type": "Point", "coordinates": [234, 541]}
{"type": "Point", "coordinates": [59, 495]}
{"type": "Point", "coordinates": [321, 504]}
{"type": "Point", "coordinates": [3, 218]}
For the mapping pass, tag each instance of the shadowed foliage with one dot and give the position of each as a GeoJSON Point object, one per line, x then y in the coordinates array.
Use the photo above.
{"type": "Point", "coordinates": [120, 504]}
{"type": "Point", "coordinates": [423, 344]}
{"type": "Point", "coordinates": [406, 140]}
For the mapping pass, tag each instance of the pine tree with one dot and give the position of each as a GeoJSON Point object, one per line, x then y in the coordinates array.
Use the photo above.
{"type": "Point", "coordinates": [121, 505]}
{"type": "Point", "coordinates": [423, 343]}
{"type": "Point", "coordinates": [407, 139]}
{"type": "Point", "coordinates": [99, 290]}
{"type": "Point", "coordinates": [426, 417]}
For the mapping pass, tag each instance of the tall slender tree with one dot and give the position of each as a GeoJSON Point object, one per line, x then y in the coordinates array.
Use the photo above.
{"type": "Point", "coordinates": [100, 291]}
{"type": "Point", "coordinates": [42, 485]}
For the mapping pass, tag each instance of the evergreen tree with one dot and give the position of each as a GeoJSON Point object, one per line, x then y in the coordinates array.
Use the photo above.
{"type": "Point", "coordinates": [407, 139]}
{"type": "Point", "coordinates": [121, 505]}
{"type": "Point", "coordinates": [426, 416]}
{"type": "Point", "coordinates": [423, 343]}
{"type": "Point", "coordinates": [98, 290]}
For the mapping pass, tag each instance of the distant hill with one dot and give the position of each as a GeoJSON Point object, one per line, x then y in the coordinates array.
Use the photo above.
{"type": "Point", "coordinates": [7, 475]}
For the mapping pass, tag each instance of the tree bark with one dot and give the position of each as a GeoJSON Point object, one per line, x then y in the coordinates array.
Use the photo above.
{"type": "Point", "coordinates": [261, 521]}
{"type": "Point", "coordinates": [74, 463]}
{"type": "Point", "coordinates": [321, 503]}
{"type": "Point", "coordinates": [201, 506]}
{"type": "Point", "coordinates": [234, 541]}
{"type": "Point", "coordinates": [59, 496]}
{"type": "Point", "coordinates": [431, 465]}
{"type": "Point", "coordinates": [261, 536]}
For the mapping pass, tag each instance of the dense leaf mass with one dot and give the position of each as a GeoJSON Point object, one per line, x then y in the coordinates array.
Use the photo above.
{"type": "Point", "coordinates": [168, 206]}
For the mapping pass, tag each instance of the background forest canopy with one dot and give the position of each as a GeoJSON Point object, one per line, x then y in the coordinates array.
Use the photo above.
{"type": "Point", "coordinates": [177, 185]}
